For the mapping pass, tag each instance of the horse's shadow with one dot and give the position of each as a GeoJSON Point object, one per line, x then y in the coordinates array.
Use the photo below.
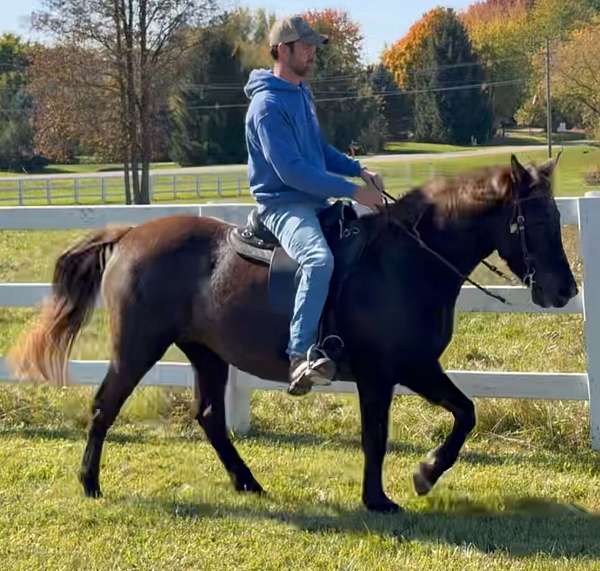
{"type": "Point", "coordinates": [351, 442]}
{"type": "Point", "coordinates": [523, 526]}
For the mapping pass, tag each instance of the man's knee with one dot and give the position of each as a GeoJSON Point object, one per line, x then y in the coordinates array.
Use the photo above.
{"type": "Point", "coordinates": [321, 260]}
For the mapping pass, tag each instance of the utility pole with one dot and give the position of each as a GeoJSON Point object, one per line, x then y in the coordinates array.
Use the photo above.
{"type": "Point", "coordinates": [548, 104]}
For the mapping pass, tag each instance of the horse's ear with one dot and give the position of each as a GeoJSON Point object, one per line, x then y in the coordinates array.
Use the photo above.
{"type": "Point", "coordinates": [548, 167]}
{"type": "Point", "coordinates": [519, 173]}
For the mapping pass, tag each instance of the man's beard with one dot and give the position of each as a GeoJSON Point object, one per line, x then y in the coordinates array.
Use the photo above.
{"type": "Point", "coordinates": [301, 70]}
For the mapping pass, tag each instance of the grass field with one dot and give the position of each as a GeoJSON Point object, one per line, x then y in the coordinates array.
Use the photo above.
{"type": "Point", "coordinates": [525, 494]}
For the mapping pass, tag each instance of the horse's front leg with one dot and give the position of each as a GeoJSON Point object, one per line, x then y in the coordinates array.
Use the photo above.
{"type": "Point", "coordinates": [375, 403]}
{"type": "Point", "coordinates": [433, 384]}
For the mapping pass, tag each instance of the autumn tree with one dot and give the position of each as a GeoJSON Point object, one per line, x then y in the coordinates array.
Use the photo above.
{"type": "Point", "coordinates": [138, 45]}
{"type": "Point", "coordinates": [576, 73]}
{"type": "Point", "coordinates": [499, 31]}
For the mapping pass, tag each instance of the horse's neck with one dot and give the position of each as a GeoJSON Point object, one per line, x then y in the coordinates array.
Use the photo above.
{"type": "Point", "coordinates": [463, 244]}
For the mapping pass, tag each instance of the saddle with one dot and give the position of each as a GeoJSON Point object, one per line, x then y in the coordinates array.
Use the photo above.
{"type": "Point", "coordinates": [345, 236]}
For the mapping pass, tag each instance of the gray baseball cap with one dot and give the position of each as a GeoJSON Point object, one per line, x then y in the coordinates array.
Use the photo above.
{"type": "Point", "coordinates": [292, 29]}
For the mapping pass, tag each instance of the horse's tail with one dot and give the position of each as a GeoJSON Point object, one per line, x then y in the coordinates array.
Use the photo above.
{"type": "Point", "coordinates": [43, 351]}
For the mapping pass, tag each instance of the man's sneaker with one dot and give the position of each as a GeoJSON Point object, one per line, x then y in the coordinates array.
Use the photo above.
{"type": "Point", "coordinates": [304, 373]}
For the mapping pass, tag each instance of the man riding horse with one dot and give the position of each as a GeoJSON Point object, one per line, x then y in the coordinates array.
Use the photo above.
{"type": "Point", "coordinates": [291, 168]}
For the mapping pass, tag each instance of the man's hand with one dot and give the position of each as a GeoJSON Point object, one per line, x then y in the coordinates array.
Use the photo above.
{"type": "Point", "coordinates": [368, 195]}
{"type": "Point", "coordinates": [373, 178]}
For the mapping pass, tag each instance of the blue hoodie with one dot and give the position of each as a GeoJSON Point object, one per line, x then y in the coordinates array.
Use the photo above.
{"type": "Point", "coordinates": [288, 159]}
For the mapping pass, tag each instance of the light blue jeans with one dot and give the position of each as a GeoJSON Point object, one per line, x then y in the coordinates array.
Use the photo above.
{"type": "Point", "coordinates": [298, 229]}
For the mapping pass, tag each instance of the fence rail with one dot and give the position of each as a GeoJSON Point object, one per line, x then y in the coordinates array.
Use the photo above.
{"type": "Point", "coordinates": [584, 212]}
{"type": "Point", "coordinates": [110, 189]}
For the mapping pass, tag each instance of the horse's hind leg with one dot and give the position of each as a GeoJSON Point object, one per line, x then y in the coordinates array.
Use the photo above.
{"type": "Point", "coordinates": [133, 358]}
{"type": "Point", "coordinates": [211, 380]}
{"type": "Point", "coordinates": [437, 388]}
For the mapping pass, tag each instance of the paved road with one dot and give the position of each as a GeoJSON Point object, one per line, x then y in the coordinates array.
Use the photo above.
{"type": "Point", "coordinates": [241, 169]}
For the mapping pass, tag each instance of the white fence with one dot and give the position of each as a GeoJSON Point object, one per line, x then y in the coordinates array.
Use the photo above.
{"type": "Point", "coordinates": [584, 212]}
{"type": "Point", "coordinates": [165, 186]}
{"type": "Point", "coordinates": [110, 188]}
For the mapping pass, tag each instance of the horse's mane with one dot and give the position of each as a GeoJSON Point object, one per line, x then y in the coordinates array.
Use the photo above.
{"type": "Point", "coordinates": [468, 194]}
{"type": "Point", "coordinates": [459, 196]}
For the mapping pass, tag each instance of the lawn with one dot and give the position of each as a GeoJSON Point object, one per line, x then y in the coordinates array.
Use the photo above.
{"type": "Point", "coordinates": [525, 494]}
{"type": "Point", "coordinates": [511, 502]}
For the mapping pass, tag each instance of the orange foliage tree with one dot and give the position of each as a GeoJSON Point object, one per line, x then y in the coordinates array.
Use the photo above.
{"type": "Point", "coordinates": [401, 56]}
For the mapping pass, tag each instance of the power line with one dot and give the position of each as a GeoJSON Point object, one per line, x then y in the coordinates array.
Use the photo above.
{"type": "Point", "coordinates": [364, 75]}
{"type": "Point", "coordinates": [218, 106]}
{"type": "Point", "coordinates": [396, 93]}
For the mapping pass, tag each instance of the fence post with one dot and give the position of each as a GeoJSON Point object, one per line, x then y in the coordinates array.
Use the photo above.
{"type": "Point", "coordinates": [198, 185]}
{"type": "Point", "coordinates": [237, 404]}
{"type": "Point", "coordinates": [151, 189]}
{"type": "Point", "coordinates": [76, 192]}
{"type": "Point", "coordinates": [589, 227]}
{"type": "Point", "coordinates": [48, 192]}
{"type": "Point", "coordinates": [219, 186]}
{"type": "Point", "coordinates": [174, 184]}
{"type": "Point", "coordinates": [239, 185]}
{"type": "Point", "coordinates": [103, 189]}
{"type": "Point", "coordinates": [20, 191]}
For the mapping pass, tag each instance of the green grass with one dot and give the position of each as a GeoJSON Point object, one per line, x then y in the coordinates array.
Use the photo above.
{"type": "Point", "coordinates": [508, 503]}
{"type": "Point", "coordinates": [414, 147]}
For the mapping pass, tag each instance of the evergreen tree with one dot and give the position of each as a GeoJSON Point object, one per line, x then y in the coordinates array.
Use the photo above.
{"type": "Point", "coordinates": [451, 101]}
{"type": "Point", "coordinates": [16, 132]}
{"type": "Point", "coordinates": [397, 106]}
{"type": "Point", "coordinates": [349, 111]}
{"type": "Point", "coordinates": [205, 129]}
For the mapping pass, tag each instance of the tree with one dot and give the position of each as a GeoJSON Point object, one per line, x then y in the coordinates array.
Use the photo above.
{"type": "Point", "coordinates": [576, 73]}
{"type": "Point", "coordinates": [402, 56]}
{"type": "Point", "coordinates": [349, 110]}
{"type": "Point", "coordinates": [209, 106]}
{"type": "Point", "coordinates": [397, 107]}
{"type": "Point", "coordinates": [70, 118]}
{"type": "Point", "coordinates": [452, 104]}
{"type": "Point", "coordinates": [208, 112]}
{"type": "Point", "coordinates": [499, 31]}
{"type": "Point", "coordinates": [16, 133]}
{"type": "Point", "coordinates": [140, 45]}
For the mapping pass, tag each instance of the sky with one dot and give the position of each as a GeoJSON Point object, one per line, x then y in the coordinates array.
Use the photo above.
{"type": "Point", "coordinates": [382, 21]}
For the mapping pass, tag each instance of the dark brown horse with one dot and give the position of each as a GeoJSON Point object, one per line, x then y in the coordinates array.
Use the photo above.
{"type": "Point", "coordinates": [176, 280]}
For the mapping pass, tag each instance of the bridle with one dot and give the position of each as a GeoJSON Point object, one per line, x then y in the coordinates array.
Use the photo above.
{"type": "Point", "coordinates": [517, 224]}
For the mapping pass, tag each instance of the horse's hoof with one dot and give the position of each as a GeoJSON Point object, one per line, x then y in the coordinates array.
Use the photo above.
{"type": "Point", "coordinates": [384, 505]}
{"type": "Point", "coordinates": [251, 486]}
{"type": "Point", "coordinates": [91, 487]}
{"type": "Point", "coordinates": [422, 479]}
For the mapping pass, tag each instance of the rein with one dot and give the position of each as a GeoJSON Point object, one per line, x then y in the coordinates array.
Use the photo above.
{"type": "Point", "coordinates": [517, 224]}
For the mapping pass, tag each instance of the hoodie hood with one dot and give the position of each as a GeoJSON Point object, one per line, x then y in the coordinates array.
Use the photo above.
{"type": "Point", "coordinates": [264, 80]}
